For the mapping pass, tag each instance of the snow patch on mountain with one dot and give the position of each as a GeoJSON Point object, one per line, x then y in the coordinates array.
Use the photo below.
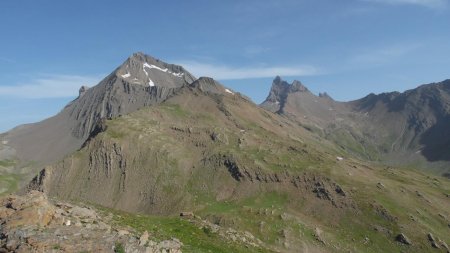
{"type": "Point", "coordinates": [155, 67]}
{"type": "Point", "coordinates": [229, 91]}
{"type": "Point", "coordinates": [165, 70]}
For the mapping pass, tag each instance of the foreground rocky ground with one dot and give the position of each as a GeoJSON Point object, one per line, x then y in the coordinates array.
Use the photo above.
{"type": "Point", "coordinates": [32, 223]}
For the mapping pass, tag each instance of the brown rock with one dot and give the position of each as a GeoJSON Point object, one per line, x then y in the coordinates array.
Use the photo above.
{"type": "Point", "coordinates": [82, 212]}
{"type": "Point", "coordinates": [27, 226]}
{"type": "Point", "coordinates": [318, 235]}
{"type": "Point", "coordinates": [187, 214]}
{"type": "Point", "coordinates": [32, 209]}
{"type": "Point", "coordinates": [123, 232]}
{"type": "Point", "coordinates": [143, 239]}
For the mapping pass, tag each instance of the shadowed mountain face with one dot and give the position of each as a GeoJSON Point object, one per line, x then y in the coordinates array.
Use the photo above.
{"type": "Point", "coordinates": [140, 81]}
{"type": "Point", "coordinates": [397, 127]}
{"type": "Point", "coordinates": [424, 116]}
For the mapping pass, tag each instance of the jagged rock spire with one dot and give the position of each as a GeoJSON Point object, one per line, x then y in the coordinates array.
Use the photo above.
{"type": "Point", "coordinates": [279, 92]}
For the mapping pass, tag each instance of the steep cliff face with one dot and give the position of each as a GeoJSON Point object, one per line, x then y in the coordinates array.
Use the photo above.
{"type": "Point", "coordinates": [110, 99]}
{"type": "Point", "coordinates": [152, 181]}
{"type": "Point", "coordinates": [113, 174]}
{"type": "Point", "coordinates": [140, 81]}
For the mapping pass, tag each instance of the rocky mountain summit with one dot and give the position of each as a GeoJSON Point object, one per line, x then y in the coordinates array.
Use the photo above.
{"type": "Point", "coordinates": [140, 81]}
{"type": "Point", "coordinates": [277, 98]}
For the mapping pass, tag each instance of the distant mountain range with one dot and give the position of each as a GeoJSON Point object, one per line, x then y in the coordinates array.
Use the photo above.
{"type": "Point", "coordinates": [299, 171]}
{"type": "Point", "coordinates": [406, 129]}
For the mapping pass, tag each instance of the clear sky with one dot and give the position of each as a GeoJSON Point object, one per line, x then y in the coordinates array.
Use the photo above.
{"type": "Point", "coordinates": [348, 48]}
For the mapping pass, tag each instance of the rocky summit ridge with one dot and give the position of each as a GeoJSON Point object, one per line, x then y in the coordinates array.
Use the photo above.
{"type": "Point", "coordinates": [279, 92]}
{"type": "Point", "coordinates": [148, 71]}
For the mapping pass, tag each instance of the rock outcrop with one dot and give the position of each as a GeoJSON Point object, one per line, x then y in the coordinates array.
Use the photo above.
{"type": "Point", "coordinates": [82, 90]}
{"type": "Point", "coordinates": [32, 223]}
{"type": "Point", "coordinates": [279, 93]}
{"type": "Point", "coordinates": [402, 238]}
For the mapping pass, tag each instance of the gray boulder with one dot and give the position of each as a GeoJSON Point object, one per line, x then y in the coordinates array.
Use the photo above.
{"type": "Point", "coordinates": [402, 238]}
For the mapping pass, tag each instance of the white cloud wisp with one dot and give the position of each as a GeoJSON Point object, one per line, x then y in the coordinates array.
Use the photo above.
{"type": "Point", "coordinates": [223, 72]}
{"type": "Point", "coordinates": [434, 4]}
{"type": "Point", "coordinates": [49, 86]}
{"type": "Point", "coordinates": [385, 55]}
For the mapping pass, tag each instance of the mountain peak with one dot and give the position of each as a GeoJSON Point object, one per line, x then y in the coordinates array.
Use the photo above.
{"type": "Point", "coordinates": [141, 80]}
{"type": "Point", "coordinates": [145, 70]}
{"type": "Point", "coordinates": [280, 91]}
{"type": "Point", "coordinates": [298, 86]}
{"type": "Point", "coordinates": [140, 56]}
{"type": "Point", "coordinates": [279, 85]}
{"type": "Point", "coordinates": [277, 80]}
{"type": "Point", "coordinates": [82, 90]}
{"type": "Point", "coordinates": [281, 88]}
{"type": "Point", "coordinates": [325, 95]}
{"type": "Point", "coordinates": [209, 85]}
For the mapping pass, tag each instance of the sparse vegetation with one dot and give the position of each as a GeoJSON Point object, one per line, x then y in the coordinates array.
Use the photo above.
{"type": "Point", "coordinates": [7, 163]}
{"type": "Point", "coordinates": [8, 183]}
{"type": "Point", "coordinates": [207, 231]}
{"type": "Point", "coordinates": [195, 239]}
{"type": "Point", "coordinates": [175, 110]}
{"type": "Point", "coordinates": [118, 248]}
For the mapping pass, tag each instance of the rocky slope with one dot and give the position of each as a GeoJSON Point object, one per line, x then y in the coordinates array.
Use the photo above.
{"type": "Point", "coordinates": [417, 118]}
{"type": "Point", "coordinates": [177, 145]}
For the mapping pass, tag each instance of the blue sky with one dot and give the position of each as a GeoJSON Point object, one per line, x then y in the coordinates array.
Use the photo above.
{"type": "Point", "coordinates": [348, 48]}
